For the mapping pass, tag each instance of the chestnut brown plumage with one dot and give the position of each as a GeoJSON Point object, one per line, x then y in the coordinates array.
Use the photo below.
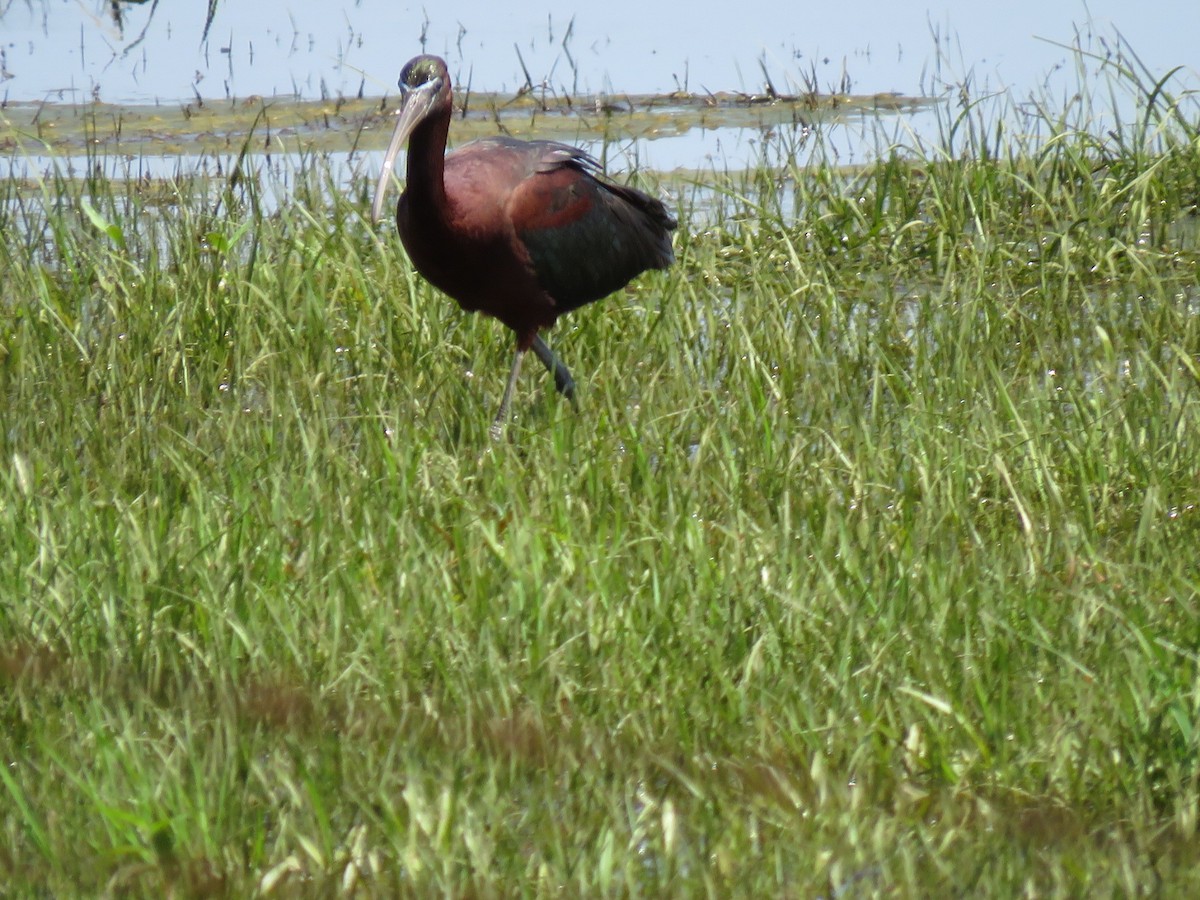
{"type": "Point", "coordinates": [520, 230]}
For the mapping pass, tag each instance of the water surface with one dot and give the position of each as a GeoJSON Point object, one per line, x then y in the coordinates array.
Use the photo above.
{"type": "Point", "coordinates": [73, 49]}
{"type": "Point", "coordinates": [159, 57]}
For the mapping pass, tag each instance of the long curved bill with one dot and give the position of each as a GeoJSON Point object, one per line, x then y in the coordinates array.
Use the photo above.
{"type": "Point", "coordinates": [417, 103]}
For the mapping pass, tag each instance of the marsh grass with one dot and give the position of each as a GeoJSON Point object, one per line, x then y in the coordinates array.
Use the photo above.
{"type": "Point", "coordinates": [869, 565]}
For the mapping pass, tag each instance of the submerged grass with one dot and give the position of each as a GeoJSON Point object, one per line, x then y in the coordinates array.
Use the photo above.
{"type": "Point", "coordinates": [868, 566]}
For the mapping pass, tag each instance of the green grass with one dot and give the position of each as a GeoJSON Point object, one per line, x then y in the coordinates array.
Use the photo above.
{"type": "Point", "coordinates": [868, 566]}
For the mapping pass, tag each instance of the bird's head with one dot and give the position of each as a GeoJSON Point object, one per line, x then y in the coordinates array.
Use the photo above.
{"type": "Point", "coordinates": [423, 72]}
{"type": "Point", "coordinates": [425, 89]}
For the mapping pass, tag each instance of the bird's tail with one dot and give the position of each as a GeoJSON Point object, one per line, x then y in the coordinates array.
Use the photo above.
{"type": "Point", "coordinates": [656, 219]}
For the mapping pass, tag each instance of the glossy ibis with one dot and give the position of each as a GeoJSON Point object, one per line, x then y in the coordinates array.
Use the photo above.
{"type": "Point", "coordinates": [521, 230]}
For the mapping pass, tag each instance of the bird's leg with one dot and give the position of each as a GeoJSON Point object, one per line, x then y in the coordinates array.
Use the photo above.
{"type": "Point", "coordinates": [502, 414]}
{"type": "Point", "coordinates": [563, 382]}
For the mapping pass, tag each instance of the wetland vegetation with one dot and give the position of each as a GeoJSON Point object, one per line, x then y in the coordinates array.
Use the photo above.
{"type": "Point", "coordinates": [868, 565]}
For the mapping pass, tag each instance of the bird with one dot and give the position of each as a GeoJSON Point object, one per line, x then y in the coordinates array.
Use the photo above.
{"type": "Point", "coordinates": [523, 231]}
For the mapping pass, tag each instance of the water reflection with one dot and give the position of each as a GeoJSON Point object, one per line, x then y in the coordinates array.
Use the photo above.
{"type": "Point", "coordinates": [690, 132]}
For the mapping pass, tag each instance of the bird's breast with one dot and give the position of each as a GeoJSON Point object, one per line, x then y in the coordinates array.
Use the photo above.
{"type": "Point", "coordinates": [472, 255]}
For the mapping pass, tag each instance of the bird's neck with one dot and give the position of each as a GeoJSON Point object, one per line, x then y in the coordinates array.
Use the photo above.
{"type": "Point", "coordinates": [425, 183]}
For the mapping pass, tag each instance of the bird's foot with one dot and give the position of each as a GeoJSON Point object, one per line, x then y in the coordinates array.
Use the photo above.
{"type": "Point", "coordinates": [497, 430]}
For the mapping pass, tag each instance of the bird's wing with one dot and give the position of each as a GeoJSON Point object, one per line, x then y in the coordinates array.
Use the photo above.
{"type": "Point", "coordinates": [551, 155]}
{"type": "Point", "coordinates": [586, 237]}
